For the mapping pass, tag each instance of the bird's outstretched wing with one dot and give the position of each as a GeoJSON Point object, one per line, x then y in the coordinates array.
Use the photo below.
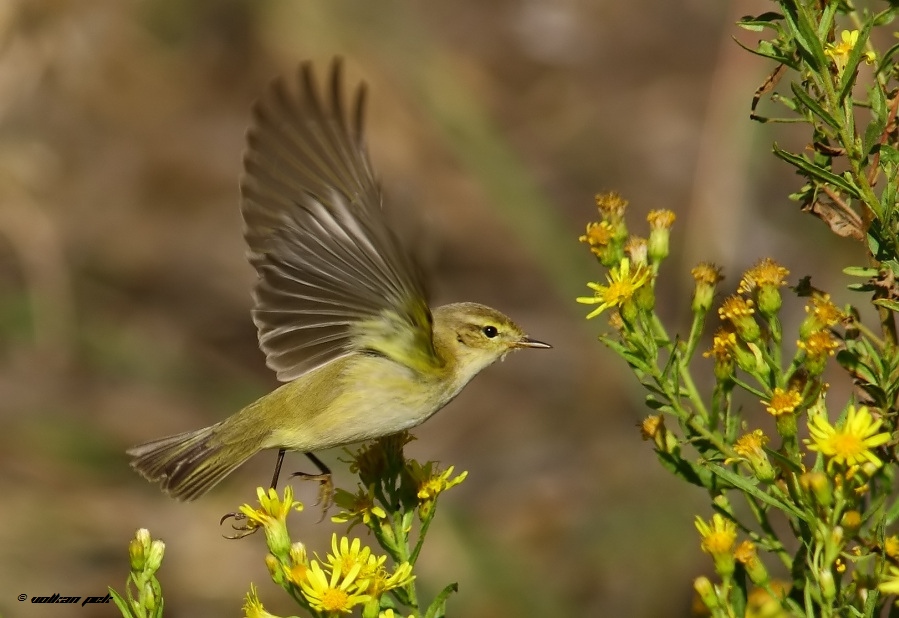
{"type": "Point", "coordinates": [333, 278]}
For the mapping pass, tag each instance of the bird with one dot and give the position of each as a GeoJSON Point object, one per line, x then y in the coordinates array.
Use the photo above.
{"type": "Point", "coordinates": [340, 305]}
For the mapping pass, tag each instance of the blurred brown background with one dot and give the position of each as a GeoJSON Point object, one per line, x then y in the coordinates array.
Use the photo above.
{"type": "Point", "coordinates": [124, 292]}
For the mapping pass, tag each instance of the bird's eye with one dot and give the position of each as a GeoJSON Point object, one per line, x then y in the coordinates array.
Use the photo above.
{"type": "Point", "coordinates": [490, 331]}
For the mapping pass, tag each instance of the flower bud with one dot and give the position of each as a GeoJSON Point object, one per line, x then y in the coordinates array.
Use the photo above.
{"type": "Point", "coordinates": [137, 554]}
{"type": "Point", "coordinates": [706, 592]}
{"type": "Point", "coordinates": [828, 587]}
{"type": "Point", "coordinates": [747, 555]}
{"type": "Point", "coordinates": [274, 569]}
{"type": "Point", "coordinates": [707, 277]}
{"type": "Point", "coordinates": [738, 311]}
{"type": "Point", "coordinates": [154, 557]}
{"type": "Point", "coordinates": [660, 222]}
{"type": "Point", "coordinates": [851, 521]}
{"type": "Point", "coordinates": [818, 485]}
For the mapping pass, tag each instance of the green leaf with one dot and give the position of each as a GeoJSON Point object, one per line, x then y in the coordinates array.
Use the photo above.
{"type": "Point", "coordinates": [759, 22]}
{"type": "Point", "coordinates": [813, 106]}
{"type": "Point", "coordinates": [437, 609]}
{"type": "Point", "coordinates": [783, 461]}
{"type": "Point", "coordinates": [889, 154]}
{"type": "Point", "coordinates": [852, 363]}
{"type": "Point", "coordinates": [825, 23]}
{"type": "Point", "coordinates": [767, 50]}
{"type": "Point", "coordinates": [860, 287]}
{"type": "Point", "coordinates": [816, 172]}
{"type": "Point", "coordinates": [892, 514]}
{"type": "Point", "coordinates": [860, 271]}
{"type": "Point", "coordinates": [889, 303]}
{"type": "Point", "coordinates": [886, 16]}
{"type": "Point", "coordinates": [886, 62]}
{"type": "Point", "coordinates": [879, 116]}
{"type": "Point", "coordinates": [690, 472]}
{"type": "Point", "coordinates": [738, 595]}
{"type": "Point", "coordinates": [662, 406]}
{"type": "Point", "coordinates": [804, 33]}
{"type": "Point", "coordinates": [751, 489]}
{"type": "Point", "coordinates": [121, 603]}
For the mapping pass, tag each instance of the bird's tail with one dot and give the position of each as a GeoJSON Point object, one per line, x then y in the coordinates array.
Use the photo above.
{"type": "Point", "coordinates": [189, 464]}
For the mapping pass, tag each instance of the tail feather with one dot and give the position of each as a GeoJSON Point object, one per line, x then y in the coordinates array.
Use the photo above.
{"type": "Point", "coordinates": [189, 464]}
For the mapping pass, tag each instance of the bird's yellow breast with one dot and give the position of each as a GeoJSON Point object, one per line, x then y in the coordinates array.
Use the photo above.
{"type": "Point", "coordinates": [354, 398]}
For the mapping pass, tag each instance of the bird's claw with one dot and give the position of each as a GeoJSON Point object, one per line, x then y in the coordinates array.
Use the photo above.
{"type": "Point", "coordinates": [242, 530]}
{"type": "Point", "coordinates": [325, 489]}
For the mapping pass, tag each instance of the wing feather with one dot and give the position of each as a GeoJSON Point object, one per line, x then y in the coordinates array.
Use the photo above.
{"type": "Point", "coordinates": [330, 271]}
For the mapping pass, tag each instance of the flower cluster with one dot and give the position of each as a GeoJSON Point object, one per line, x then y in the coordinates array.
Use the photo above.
{"type": "Point", "coordinates": [392, 489]}
{"type": "Point", "coordinates": [143, 594]}
{"type": "Point", "coordinates": [632, 262]}
{"type": "Point", "coordinates": [821, 483]}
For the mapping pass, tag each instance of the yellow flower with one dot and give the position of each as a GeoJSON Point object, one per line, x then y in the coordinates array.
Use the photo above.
{"type": "Point", "coordinates": [750, 448]}
{"type": "Point", "coordinates": [822, 314]}
{"type": "Point", "coordinates": [611, 205]}
{"type": "Point", "coordinates": [827, 313]}
{"type": "Point", "coordinates": [358, 507]}
{"type": "Point", "coordinates": [660, 222]}
{"type": "Point", "coordinates": [851, 443]}
{"type": "Point", "coordinates": [764, 279]}
{"type": "Point", "coordinates": [272, 516]}
{"type": "Point", "coordinates": [707, 273]}
{"type": "Point", "coordinates": [660, 219]}
{"type": "Point", "coordinates": [381, 582]}
{"type": "Point", "coordinates": [348, 556]}
{"type": "Point", "coordinates": [707, 277]}
{"type": "Point", "coordinates": [783, 401]}
{"type": "Point", "coordinates": [299, 564]}
{"type": "Point", "coordinates": [839, 52]}
{"type": "Point", "coordinates": [746, 554]}
{"type": "Point", "coordinates": [890, 583]}
{"type": "Point", "coordinates": [431, 482]}
{"type": "Point", "coordinates": [724, 349]}
{"type": "Point", "coordinates": [751, 444]}
{"type": "Point", "coordinates": [891, 546]}
{"type": "Point", "coordinates": [652, 426]}
{"type": "Point", "coordinates": [818, 346]}
{"type": "Point", "coordinates": [723, 344]}
{"type": "Point", "coordinates": [718, 538]}
{"type": "Point", "coordinates": [718, 535]}
{"type": "Point", "coordinates": [819, 343]}
{"type": "Point", "coordinates": [739, 311]}
{"type": "Point", "coordinates": [598, 236]}
{"type": "Point", "coordinates": [339, 593]}
{"type": "Point", "coordinates": [271, 507]}
{"type": "Point", "coordinates": [765, 273]}
{"type": "Point", "coordinates": [252, 607]}
{"type": "Point", "coordinates": [735, 308]}
{"type": "Point", "coordinates": [623, 283]}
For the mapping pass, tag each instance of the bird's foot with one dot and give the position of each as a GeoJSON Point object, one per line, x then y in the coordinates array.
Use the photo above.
{"type": "Point", "coordinates": [325, 489]}
{"type": "Point", "coordinates": [242, 529]}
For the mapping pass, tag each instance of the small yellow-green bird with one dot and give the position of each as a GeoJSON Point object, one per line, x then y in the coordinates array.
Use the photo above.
{"type": "Point", "coordinates": [340, 305]}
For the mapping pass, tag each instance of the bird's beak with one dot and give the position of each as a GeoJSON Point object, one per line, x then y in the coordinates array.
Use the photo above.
{"type": "Point", "coordinates": [527, 342]}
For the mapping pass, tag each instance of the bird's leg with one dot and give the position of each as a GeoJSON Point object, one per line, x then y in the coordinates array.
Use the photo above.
{"type": "Point", "coordinates": [244, 530]}
{"type": "Point", "coordinates": [326, 486]}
